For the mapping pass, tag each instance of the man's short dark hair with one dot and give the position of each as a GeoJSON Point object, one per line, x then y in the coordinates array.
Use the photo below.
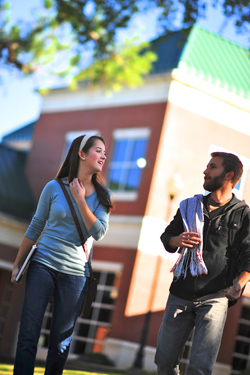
{"type": "Point", "coordinates": [230, 163]}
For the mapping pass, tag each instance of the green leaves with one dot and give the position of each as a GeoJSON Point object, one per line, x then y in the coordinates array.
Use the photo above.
{"type": "Point", "coordinates": [84, 32]}
{"type": "Point", "coordinates": [126, 67]}
{"type": "Point", "coordinates": [48, 4]}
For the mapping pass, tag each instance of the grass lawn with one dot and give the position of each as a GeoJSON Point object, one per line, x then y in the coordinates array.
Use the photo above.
{"type": "Point", "coordinates": [8, 370]}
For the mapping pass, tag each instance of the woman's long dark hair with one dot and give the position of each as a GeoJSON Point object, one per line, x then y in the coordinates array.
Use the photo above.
{"type": "Point", "coordinates": [70, 166]}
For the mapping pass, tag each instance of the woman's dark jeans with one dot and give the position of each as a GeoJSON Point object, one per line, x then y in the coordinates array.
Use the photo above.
{"type": "Point", "coordinates": [68, 293]}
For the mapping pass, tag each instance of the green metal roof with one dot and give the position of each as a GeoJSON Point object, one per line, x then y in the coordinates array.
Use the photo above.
{"type": "Point", "coordinates": [216, 60]}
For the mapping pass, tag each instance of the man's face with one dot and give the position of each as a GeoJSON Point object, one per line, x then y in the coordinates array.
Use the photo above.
{"type": "Point", "coordinates": [214, 174]}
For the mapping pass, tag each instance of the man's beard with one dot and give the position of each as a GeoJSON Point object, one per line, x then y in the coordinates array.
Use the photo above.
{"type": "Point", "coordinates": [214, 183]}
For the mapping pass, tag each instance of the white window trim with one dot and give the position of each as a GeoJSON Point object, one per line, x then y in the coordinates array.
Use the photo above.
{"type": "Point", "coordinates": [101, 265]}
{"type": "Point", "coordinates": [70, 136]}
{"type": "Point", "coordinates": [131, 133]}
{"type": "Point", "coordinates": [128, 196]}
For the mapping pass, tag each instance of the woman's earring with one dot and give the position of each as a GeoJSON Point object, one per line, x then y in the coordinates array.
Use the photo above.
{"type": "Point", "coordinates": [83, 158]}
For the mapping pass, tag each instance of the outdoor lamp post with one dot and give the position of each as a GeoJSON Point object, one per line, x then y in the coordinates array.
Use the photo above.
{"type": "Point", "coordinates": [174, 186]}
{"type": "Point", "coordinates": [138, 363]}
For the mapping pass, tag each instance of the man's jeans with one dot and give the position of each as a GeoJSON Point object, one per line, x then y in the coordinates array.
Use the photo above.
{"type": "Point", "coordinates": [69, 292]}
{"type": "Point", "coordinates": [180, 317]}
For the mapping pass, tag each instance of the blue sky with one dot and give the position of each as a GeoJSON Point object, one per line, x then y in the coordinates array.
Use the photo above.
{"type": "Point", "coordinates": [20, 104]}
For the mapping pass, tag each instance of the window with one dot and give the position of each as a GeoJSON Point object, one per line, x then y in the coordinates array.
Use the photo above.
{"type": "Point", "coordinates": [127, 162]}
{"type": "Point", "coordinates": [5, 302]}
{"type": "Point", "coordinates": [186, 355]}
{"type": "Point", "coordinates": [241, 355]}
{"type": "Point", "coordinates": [89, 333]}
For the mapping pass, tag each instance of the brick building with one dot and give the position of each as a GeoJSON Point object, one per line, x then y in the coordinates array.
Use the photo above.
{"type": "Point", "coordinates": [158, 139]}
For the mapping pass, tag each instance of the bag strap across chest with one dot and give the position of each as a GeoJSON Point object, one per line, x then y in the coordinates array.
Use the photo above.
{"type": "Point", "coordinates": [78, 226]}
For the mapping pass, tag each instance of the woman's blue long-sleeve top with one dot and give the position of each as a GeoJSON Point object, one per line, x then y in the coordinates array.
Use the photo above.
{"type": "Point", "coordinates": [59, 245]}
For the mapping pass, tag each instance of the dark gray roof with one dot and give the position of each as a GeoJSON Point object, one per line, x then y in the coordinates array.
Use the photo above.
{"type": "Point", "coordinates": [168, 48]}
{"type": "Point", "coordinates": [20, 139]}
{"type": "Point", "coordinates": [16, 197]}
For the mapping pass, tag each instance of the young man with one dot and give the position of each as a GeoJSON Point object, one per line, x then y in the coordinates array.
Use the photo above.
{"type": "Point", "coordinates": [205, 233]}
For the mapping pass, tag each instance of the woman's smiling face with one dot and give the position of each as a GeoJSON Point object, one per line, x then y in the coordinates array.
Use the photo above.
{"type": "Point", "coordinates": [96, 156]}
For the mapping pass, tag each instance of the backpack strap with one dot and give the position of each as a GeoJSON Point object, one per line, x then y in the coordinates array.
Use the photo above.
{"type": "Point", "coordinates": [236, 221]}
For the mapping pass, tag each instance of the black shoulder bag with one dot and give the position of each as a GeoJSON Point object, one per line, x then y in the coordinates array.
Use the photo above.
{"type": "Point", "coordinates": [92, 286]}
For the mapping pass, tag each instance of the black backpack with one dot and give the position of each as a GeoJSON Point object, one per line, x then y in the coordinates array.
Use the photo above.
{"type": "Point", "coordinates": [236, 221]}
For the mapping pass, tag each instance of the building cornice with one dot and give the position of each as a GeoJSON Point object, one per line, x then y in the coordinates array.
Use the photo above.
{"type": "Point", "coordinates": [155, 89]}
{"type": "Point", "coordinates": [211, 89]}
{"type": "Point", "coordinates": [208, 105]}
{"type": "Point", "coordinates": [11, 230]}
{"type": "Point", "coordinates": [124, 232]}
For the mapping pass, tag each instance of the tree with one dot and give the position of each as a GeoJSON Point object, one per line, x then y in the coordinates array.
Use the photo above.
{"type": "Point", "coordinates": [83, 34]}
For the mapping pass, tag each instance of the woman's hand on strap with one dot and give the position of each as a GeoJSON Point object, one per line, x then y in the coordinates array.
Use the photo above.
{"type": "Point", "coordinates": [77, 190]}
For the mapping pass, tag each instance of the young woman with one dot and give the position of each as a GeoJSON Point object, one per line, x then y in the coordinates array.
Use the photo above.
{"type": "Point", "coordinates": [59, 266]}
